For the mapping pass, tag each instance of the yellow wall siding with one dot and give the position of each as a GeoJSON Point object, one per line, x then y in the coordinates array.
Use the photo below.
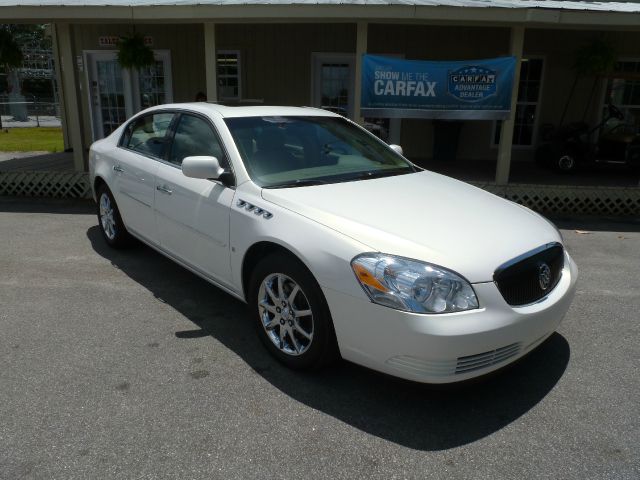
{"type": "Point", "coordinates": [276, 58]}
{"type": "Point", "coordinates": [424, 42]}
{"type": "Point", "coordinates": [558, 48]}
{"type": "Point", "coordinates": [277, 65]}
{"type": "Point", "coordinates": [185, 42]}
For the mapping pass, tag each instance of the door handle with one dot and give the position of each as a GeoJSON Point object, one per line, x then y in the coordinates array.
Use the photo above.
{"type": "Point", "coordinates": [118, 168]}
{"type": "Point", "coordinates": [164, 189]}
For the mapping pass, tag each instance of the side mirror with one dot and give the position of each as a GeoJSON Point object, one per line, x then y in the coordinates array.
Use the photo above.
{"type": "Point", "coordinates": [202, 167]}
{"type": "Point", "coordinates": [396, 148]}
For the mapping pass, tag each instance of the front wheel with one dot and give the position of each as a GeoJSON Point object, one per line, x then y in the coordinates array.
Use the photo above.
{"type": "Point", "coordinates": [291, 313]}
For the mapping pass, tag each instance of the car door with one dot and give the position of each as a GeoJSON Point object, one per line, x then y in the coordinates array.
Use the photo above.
{"type": "Point", "coordinates": [192, 214]}
{"type": "Point", "coordinates": [141, 146]}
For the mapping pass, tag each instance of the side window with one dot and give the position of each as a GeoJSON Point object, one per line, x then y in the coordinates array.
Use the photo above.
{"type": "Point", "coordinates": [194, 136]}
{"type": "Point", "coordinates": [147, 134]}
{"type": "Point", "coordinates": [228, 74]}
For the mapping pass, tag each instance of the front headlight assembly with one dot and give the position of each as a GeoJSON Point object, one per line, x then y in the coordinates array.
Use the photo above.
{"type": "Point", "coordinates": [412, 285]}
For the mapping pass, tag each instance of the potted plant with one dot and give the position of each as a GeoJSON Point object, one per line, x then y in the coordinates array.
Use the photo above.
{"type": "Point", "coordinates": [133, 53]}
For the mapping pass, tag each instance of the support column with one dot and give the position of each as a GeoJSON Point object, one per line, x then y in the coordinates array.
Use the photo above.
{"type": "Point", "coordinates": [506, 130]}
{"type": "Point", "coordinates": [210, 61]}
{"type": "Point", "coordinates": [70, 93]}
{"type": "Point", "coordinates": [361, 49]}
{"type": "Point", "coordinates": [58, 95]}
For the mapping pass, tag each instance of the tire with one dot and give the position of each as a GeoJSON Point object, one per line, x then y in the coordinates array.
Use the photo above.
{"type": "Point", "coordinates": [566, 162]}
{"type": "Point", "coordinates": [110, 221]}
{"type": "Point", "coordinates": [298, 330]}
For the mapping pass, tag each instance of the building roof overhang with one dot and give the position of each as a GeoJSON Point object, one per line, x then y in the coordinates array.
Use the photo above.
{"type": "Point", "coordinates": [559, 13]}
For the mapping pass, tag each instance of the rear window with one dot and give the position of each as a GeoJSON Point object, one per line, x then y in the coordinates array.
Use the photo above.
{"type": "Point", "coordinates": [147, 135]}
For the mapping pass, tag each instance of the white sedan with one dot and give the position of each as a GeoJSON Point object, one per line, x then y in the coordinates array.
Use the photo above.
{"type": "Point", "coordinates": [340, 246]}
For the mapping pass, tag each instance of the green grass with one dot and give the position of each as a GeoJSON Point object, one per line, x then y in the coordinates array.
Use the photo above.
{"type": "Point", "coordinates": [44, 139]}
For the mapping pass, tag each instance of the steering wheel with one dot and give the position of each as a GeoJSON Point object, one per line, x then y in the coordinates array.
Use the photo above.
{"type": "Point", "coordinates": [615, 112]}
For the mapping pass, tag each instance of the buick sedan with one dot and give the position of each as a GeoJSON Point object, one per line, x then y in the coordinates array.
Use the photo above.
{"type": "Point", "coordinates": [340, 246]}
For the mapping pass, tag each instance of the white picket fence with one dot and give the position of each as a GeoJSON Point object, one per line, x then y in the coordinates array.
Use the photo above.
{"type": "Point", "coordinates": [577, 200]}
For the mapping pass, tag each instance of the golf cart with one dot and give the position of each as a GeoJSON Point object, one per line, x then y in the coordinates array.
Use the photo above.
{"type": "Point", "coordinates": [569, 147]}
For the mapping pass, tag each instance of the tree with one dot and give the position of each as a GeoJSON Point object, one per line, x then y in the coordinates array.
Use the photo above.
{"type": "Point", "coordinates": [14, 40]}
{"type": "Point", "coordinates": [10, 53]}
{"type": "Point", "coordinates": [594, 59]}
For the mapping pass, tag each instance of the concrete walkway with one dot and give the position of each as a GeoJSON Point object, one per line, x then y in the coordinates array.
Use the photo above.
{"type": "Point", "coordinates": [531, 173]}
{"type": "Point", "coordinates": [29, 161]}
{"type": "Point", "coordinates": [44, 120]}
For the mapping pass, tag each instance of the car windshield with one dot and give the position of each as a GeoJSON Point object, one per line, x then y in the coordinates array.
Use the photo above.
{"type": "Point", "coordinates": [306, 150]}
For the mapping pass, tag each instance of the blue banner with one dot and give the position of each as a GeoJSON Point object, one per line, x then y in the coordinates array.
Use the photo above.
{"type": "Point", "coordinates": [469, 89]}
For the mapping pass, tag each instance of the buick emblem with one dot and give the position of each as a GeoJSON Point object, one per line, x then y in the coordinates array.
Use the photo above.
{"type": "Point", "coordinates": [544, 276]}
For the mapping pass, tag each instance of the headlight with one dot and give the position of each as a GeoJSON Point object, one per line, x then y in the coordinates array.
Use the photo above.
{"type": "Point", "coordinates": [411, 285]}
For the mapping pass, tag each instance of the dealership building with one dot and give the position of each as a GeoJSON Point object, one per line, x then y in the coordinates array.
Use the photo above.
{"type": "Point", "coordinates": [280, 52]}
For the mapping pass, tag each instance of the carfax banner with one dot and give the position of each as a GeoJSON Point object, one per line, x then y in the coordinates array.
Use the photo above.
{"type": "Point", "coordinates": [469, 89]}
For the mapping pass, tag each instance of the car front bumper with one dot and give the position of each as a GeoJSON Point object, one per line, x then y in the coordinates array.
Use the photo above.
{"type": "Point", "coordinates": [451, 347]}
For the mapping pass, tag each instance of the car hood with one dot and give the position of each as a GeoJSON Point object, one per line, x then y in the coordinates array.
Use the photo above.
{"type": "Point", "coordinates": [425, 216]}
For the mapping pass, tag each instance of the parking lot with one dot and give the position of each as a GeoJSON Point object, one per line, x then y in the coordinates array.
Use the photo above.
{"type": "Point", "coordinates": [121, 364]}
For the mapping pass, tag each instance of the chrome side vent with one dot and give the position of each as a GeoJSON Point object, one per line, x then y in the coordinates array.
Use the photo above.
{"type": "Point", "coordinates": [249, 207]}
{"type": "Point", "coordinates": [486, 359]}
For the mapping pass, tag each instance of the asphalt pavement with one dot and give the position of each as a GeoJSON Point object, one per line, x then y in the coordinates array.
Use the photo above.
{"type": "Point", "coordinates": [121, 364]}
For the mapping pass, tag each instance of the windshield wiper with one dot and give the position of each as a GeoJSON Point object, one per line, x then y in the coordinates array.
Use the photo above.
{"type": "Point", "coordinates": [297, 183]}
{"type": "Point", "coordinates": [381, 173]}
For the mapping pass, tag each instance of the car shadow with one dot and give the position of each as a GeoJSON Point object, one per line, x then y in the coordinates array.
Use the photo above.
{"type": "Point", "coordinates": [417, 416]}
{"type": "Point", "coordinates": [595, 223]}
{"type": "Point", "coordinates": [80, 206]}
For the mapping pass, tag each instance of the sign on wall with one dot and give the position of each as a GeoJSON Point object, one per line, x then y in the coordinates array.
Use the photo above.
{"type": "Point", "coordinates": [112, 40]}
{"type": "Point", "coordinates": [470, 89]}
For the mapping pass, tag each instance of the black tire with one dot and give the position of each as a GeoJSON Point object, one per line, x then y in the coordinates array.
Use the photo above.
{"type": "Point", "coordinates": [117, 236]}
{"type": "Point", "coordinates": [566, 162]}
{"type": "Point", "coordinates": [322, 348]}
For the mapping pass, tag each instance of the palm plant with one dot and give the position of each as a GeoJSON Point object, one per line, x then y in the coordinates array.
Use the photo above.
{"type": "Point", "coordinates": [594, 59]}
{"type": "Point", "coordinates": [133, 53]}
{"type": "Point", "coordinates": [10, 53]}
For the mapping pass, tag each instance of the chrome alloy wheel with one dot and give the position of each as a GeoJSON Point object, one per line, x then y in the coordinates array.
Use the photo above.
{"type": "Point", "coordinates": [286, 314]}
{"type": "Point", "coordinates": [106, 217]}
{"type": "Point", "coordinates": [566, 162]}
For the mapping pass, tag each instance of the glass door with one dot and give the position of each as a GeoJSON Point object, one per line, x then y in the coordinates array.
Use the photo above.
{"type": "Point", "coordinates": [109, 102]}
{"type": "Point", "coordinates": [333, 86]}
{"type": "Point", "coordinates": [153, 84]}
{"type": "Point", "coordinates": [334, 82]}
{"type": "Point", "coordinates": [116, 94]}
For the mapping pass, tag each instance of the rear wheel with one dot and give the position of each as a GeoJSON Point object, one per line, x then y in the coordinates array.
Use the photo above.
{"type": "Point", "coordinates": [291, 313]}
{"type": "Point", "coordinates": [566, 162]}
{"type": "Point", "coordinates": [109, 219]}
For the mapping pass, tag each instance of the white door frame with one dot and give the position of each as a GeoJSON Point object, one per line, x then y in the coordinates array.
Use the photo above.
{"type": "Point", "coordinates": [316, 88]}
{"type": "Point", "coordinates": [165, 56]}
{"type": "Point", "coordinates": [350, 58]}
{"type": "Point", "coordinates": [131, 84]}
{"type": "Point", "coordinates": [89, 59]}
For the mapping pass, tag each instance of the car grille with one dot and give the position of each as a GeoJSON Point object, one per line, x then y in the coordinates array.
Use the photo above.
{"type": "Point", "coordinates": [519, 280]}
{"type": "Point", "coordinates": [482, 360]}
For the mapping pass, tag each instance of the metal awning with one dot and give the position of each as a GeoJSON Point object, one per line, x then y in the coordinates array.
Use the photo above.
{"type": "Point", "coordinates": [585, 13]}
{"type": "Point", "coordinates": [583, 5]}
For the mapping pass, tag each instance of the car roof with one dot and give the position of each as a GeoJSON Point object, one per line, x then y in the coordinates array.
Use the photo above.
{"type": "Point", "coordinates": [247, 111]}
